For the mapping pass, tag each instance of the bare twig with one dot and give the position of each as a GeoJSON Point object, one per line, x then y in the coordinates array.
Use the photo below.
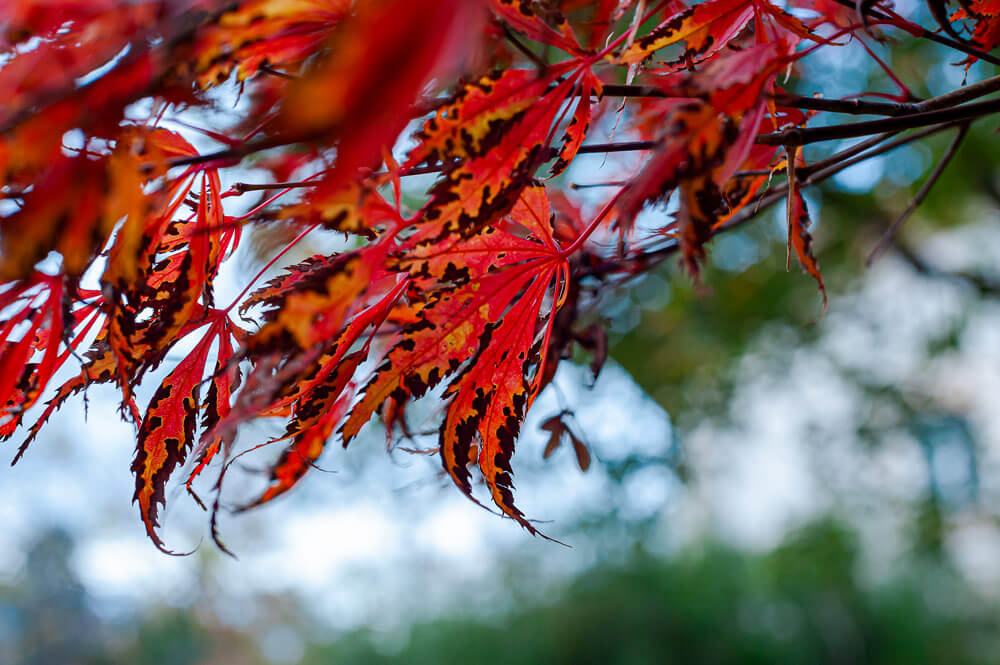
{"type": "Point", "coordinates": [924, 33]}
{"type": "Point", "coordinates": [854, 152]}
{"type": "Point", "coordinates": [527, 52]}
{"type": "Point", "coordinates": [849, 106]}
{"type": "Point", "coordinates": [890, 233]}
{"type": "Point", "coordinates": [779, 192]}
{"type": "Point", "coordinates": [625, 146]}
{"type": "Point", "coordinates": [268, 69]}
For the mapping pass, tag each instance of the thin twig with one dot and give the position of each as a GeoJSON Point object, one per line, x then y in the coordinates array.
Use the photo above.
{"type": "Point", "coordinates": [849, 106]}
{"type": "Point", "coordinates": [932, 111]}
{"type": "Point", "coordinates": [268, 69]}
{"type": "Point", "coordinates": [962, 95]}
{"type": "Point", "coordinates": [625, 146]}
{"type": "Point", "coordinates": [591, 185]}
{"type": "Point", "coordinates": [804, 171]}
{"type": "Point", "coordinates": [890, 233]}
{"type": "Point", "coordinates": [242, 187]}
{"type": "Point", "coordinates": [528, 53]}
{"type": "Point", "coordinates": [924, 33]}
{"type": "Point", "coordinates": [855, 150]}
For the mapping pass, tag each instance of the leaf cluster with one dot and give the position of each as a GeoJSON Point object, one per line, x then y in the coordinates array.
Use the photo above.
{"type": "Point", "coordinates": [115, 228]}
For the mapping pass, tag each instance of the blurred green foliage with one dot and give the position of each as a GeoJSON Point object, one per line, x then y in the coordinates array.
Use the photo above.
{"type": "Point", "coordinates": [680, 353]}
{"type": "Point", "coordinates": [804, 602]}
{"type": "Point", "coordinates": [807, 601]}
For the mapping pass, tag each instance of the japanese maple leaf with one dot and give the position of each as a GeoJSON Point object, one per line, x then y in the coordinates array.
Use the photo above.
{"type": "Point", "coordinates": [373, 67]}
{"type": "Point", "coordinates": [486, 325]}
{"type": "Point", "coordinates": [167, 430]}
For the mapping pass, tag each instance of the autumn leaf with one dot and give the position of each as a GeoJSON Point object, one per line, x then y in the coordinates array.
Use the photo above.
{"type": "Point", "coordinates": [167, 430]}
{"type": "Point", "coordinates": [484, 187]}
{"type": "Point", "coordinates": [275, 33]}
{"type": "Point", "coordinates": [549, 27]}
{"type": "Point", "coordinates": [376, 62]}
{"type": "Point", "coordinates": [799, 238]}
{"type": "Point", "coordinates": [486, 327]}
{"type": "Point", "coordinates": [315, 415]}
{"type": "Point", "coordinates": [400, 143]}
{"type": "Point", "coordinates": [558, 429]}
{"type": "Point", "coordinates": [705, 29]}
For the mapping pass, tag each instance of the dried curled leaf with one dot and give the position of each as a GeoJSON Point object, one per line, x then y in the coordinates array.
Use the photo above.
{"type": "Point", "coordinates": [800, 240]}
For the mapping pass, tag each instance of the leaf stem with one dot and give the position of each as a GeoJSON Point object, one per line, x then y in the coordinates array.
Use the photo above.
{"type": "Point", "coordinates": [260, 273]}
{"type": "Point", "coordinates": [586, 233]}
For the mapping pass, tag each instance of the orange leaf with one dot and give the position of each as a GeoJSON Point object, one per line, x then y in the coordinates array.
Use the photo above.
{"type": "Point", "coordinates": [376, 64]}
{"type": "Point", "coordinates": [167, 430]}
{"type": "Point", "coordinates": [315, 415]}
{"type": "Point", "coordinates": [800, 239]}
{"type": "Point", "coordinates": [705, 29]}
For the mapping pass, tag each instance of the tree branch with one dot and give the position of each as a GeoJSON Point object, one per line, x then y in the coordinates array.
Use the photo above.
{"type": "Point", "coordinates": [849, 106]}
{"type": "Point", "coordinates": [779, 193]}
{"type": "Point", "coordinates": [804, 136]}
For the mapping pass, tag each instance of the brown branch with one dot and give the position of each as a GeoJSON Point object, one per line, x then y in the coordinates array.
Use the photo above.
{"type": "Point", "coordinates": [794, 136]}
{"type": "Point", "coordinates": [625, 146]}
{"type": "Point", "coordinates": [242, 187]}
{"type": "Point", "coordinates": [890, 233]}
{"type": "Point", "coordinates": [616, 90]}
{"type": "Point", "coordinates": [929, 112]}
{"type": "Point", "coordinates": [856, 149]}
{"type": "Point", "coordinates": [850, 106]}
{"type": "Point", "coordinates": [592, 185]}
{"type": "Point", "coordinates": [804, 171]}
{"type": "Point", "coordinates": [751, 211]}
{"type": "Point", "coordinates": [854, 152]}
{"type": "Point", "coordinates": [964, 94]}
{"type": "Point", "coordinates": [807, 135]}
{"type": "Point", "coordinates": [238, 151]}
